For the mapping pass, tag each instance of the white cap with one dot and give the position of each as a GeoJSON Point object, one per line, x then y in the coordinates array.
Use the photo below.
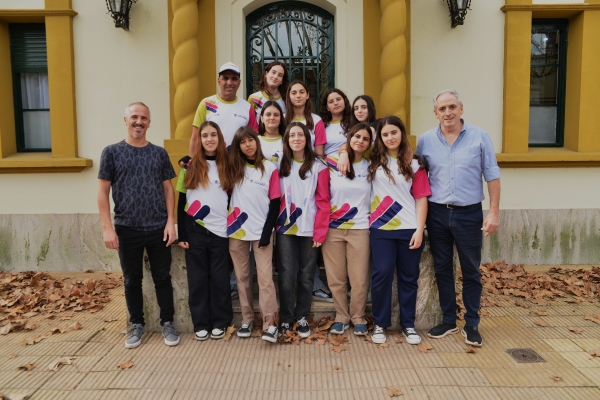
{"type": "Point", "coordinates": [229, 66]}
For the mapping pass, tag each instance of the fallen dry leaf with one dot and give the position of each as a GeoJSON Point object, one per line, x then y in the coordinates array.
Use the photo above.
{"type": "Point", "coordinates": [368, 338]}
{"type": "Point", "coordinates": [228, 333]}
{"type": "Point", "coordinates": [541, 323]}
{"type": "Point", "coordinates": [338, 339]}
{"type": "Point", "coordinates": [484, 313]}
{"type": "Point", "coordinates": [471, 350]}
{"type": "Point", "coordinates": [26, 367]}
{"type": "Point", "coordinates": [89, 271]}
{"type": "Point", "coordinates": [110, 320]}
{"type": "Point", "coordinates": [321, 341]}
{"type": "Point", "coordinates": [256, 333]}
{"type": "Point", "coordinates": [541, 313]}
{"type": "Point", "coordinates": [6, 329]}
{"type": "Point", "coordinates": [53, 366]}
{"type": "Point", "coordinates": [75, 326]}
{"type": "Point", "coordinates": [425, 347]}
{"type": "Point", "coordinates": [592, 318]}
{"type": "Point", "coordinates": [594, 353]}
{"type": "Point", "coordinates": [556, 378]}
{"type": "Point", "coordinates": [393, 392]}
{"type": "Point", "coordinates": [37, 339]}
{"type": "Point", "coordinates": [57, 329]}
{"type": "Point", "coordinates": [29, 326]}
{"type": "Point", "coordinates": [338, 349]}
{"type": "Point", "coordinates": [383, 345]}
{"type": "Point", "coordinates": [125, 365]}
{"type": "Point", "coordinates": [576, 330]}
{"type": "Point", "coordinates": [336, 368]}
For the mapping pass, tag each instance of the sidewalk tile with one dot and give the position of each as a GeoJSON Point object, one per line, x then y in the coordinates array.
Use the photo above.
{"type": "Point", "coordinates": [468, 377]}
{"type": "Point", "coordinates": [445, 393]}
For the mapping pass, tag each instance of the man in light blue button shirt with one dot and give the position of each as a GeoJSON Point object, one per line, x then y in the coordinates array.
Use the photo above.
{"type": "Point", "coordinates": [457, 155]}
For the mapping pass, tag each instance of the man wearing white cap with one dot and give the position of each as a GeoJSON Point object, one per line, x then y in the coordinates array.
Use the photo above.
{"type": "Point", "coordinates": [225, 108]}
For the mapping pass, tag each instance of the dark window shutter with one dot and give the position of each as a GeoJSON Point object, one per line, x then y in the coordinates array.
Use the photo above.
{"type": "Point", "coordinates": [28, 47]}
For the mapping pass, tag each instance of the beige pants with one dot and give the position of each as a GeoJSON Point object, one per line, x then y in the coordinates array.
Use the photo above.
{"type": "Point", "coordinates": [346, 256]}
{"type": "Point", "coordinates": [240, 255]}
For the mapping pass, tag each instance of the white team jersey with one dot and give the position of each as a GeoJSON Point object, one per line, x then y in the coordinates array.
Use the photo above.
{"type": "Point", "coordinates": [208, 206]}
{"type": "Point", "coordinates": [317, 134]}
{"type": "Point", "coordinates": [350, 198]}
{"type": "Point", "coordinates": [272, 149]}
{"type": "Point", "coordinates": [258, 99]}
{"type": "Point", "coordinates": [250, 202]}
{"type": "Point", "coordinates": [393, 206]}
{"type": "Point", "coordinates": [335, 138]}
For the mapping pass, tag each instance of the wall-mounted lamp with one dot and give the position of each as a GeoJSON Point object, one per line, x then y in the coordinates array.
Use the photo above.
{"type": "Point", "coordinates": [458, 10]}
{"type": "Point", "coordinates": [119, 11]}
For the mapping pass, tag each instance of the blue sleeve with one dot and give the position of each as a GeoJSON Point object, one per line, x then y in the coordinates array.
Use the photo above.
{"type": "Point", "coordinates": [489, 166]}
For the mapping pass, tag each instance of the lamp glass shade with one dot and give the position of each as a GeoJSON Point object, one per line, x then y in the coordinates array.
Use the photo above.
{"type": "Point", "coordinates": [116, 6]}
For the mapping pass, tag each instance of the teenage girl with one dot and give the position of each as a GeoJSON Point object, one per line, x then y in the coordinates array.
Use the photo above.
{"type": "Point", "coordinates": [252, 215]}
{"type": "Point", "coordinates": [299, 109]}
{"type": "Point", "coordinates": [301, 225]}
{"type": "Point", "coordinates": [346, 248]}
{"type": "Point", "coordinates": [398, 211]}
{"type": "Point", "coordinates": [273, 86]}
{"type": "Point", "coordinates": [363, 110]}
{"type": "Point", "coordinates": [336, 114]}
{"type": "Point", "coordinates": [270, 130]}
{"type": "Point", "coordinates": [202, 226]}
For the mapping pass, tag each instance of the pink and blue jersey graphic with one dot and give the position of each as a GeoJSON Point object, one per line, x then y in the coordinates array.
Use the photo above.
{"type": "Point", "coordinates": [341, 217]}
{"type": "Point", "coordinates": [235, 220]}
{"type": "Point", "coordinates": [383, 213]}
{"type": "Point", "coordinates": [287, 225]}
{"type": "Point", "coordinates": [197, 211]}
{"type": "Point", "coordinates": [211, 106]}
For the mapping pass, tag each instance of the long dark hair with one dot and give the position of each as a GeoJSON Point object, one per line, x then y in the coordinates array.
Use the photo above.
{"type": "Point", "coordinates": [351, 156]}
{"type": "Point", "coordinates": [196, 174]}
{"type": "Point", "coordinates": [325, 114]}
{"type": "Point", "coordinates": [285, 81]}
{"type": "Point", "coordinates": [405, 152]}
{"type": "Point", "coordinates": [285, 166]}
{"type": "Point", "coordinates": [238, 160]}
{"type": "Point", "coordinates": [371, 116]}
{"type": "Point", "coordinates": [289, 107]}
{"type": "Point", "coordinates": [261, 127]}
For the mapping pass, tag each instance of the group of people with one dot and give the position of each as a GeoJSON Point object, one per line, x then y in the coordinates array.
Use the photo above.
{"type": "Point", "coordinates": [269, 171]}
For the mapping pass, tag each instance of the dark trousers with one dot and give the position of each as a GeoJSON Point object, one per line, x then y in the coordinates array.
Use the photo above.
{"type": "Point", "coordinates": [391, 254]}
{"type": "Point", "coordinates": [297, 263]}
{"type": "Point", "coordinates": [460, 226]}
{"type": "Point", "coordinates": [131, 253]}
{"type": "Point", "coordinates": [208, 277]}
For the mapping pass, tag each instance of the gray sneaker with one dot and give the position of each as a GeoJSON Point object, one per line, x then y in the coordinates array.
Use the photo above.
{"type": "Point", "coordinates": [134, 339]}
{"type": "Point", "coordinates": [170, 334]}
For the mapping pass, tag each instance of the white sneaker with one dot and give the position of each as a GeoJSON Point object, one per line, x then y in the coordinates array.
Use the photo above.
{"type": "Point", "coordinates": [244, 331]}
{"type": "Point", "coordinates": [378, 335]}
{"type": "Point", "coordinates": [217, 333]}
{"type": "Point", "coordinates": [201, 335]}
{"type": "Point", "coordinates": [271, 334]}
{"type": "Point", "coordinates": [412, 337]}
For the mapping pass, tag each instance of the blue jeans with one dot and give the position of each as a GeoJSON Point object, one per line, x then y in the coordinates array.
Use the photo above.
{"type": "Point", "coordinates": [393, 255]}
{"type": "Point", "coordinates": [461, 226]}
{"type": "Point", "coordinates": [297, 263]}
{"type": "Point", "coordinates": [131, 253]}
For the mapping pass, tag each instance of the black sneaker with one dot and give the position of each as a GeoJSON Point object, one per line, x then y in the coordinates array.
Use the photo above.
{"type": "Point", "coordinates": [303, 328]}
{"type": "Point", "coordinates": [271, 334]}
{"type": "Point", "coordinates": [244, 331]}
{"type": "Point", "coordinates": [285, 327]}
{"type": "Point", "coordinates": [443, 329]}
{"type": "Point", "coordinates": [472, 336]}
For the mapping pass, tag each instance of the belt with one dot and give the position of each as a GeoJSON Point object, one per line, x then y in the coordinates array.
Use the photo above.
{"type": "Point", "coordinates": [452, 206]}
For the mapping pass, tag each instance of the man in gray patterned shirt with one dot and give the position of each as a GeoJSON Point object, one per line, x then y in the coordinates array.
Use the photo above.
{"type": "Point", "coordinates": [140, 174]}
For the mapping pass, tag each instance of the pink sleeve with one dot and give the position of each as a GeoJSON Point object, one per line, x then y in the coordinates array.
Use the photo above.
{"type": "Point", "coordinates": [274, 187]}
{"type": "Point", "coordinates": [320, 135]}
{"type": "Point", "coordinates": [252, 119]}
{"type": "Point", "coordinates": [420, 185]}
{"type": "Point", "coordinates": [323, 207]}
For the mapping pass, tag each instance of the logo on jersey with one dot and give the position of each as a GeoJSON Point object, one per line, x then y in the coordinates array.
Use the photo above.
{"type": "Point", "coordinates": [197, 211]}
{"type": "Point", "coordinates": [340, 217]}
{"type": "Point", "coordinates": [256, 101]}
{"type": "Point", "coordinates": [211, 106]}
{"type": "Point", "coordinates": [332, 164]}
{"type": "Point", "coordinates": [287, 225]}
{"type": "Point", "coordinates": [235, 220]}
{"type": "Point", "coordinates": [383, 213]}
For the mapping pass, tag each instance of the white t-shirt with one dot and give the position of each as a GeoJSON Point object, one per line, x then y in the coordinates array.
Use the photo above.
{"type": "Point", "coordinates": [298, 209]}
{"type": "Point", "coordinates": [272, 148]}
{"type": "Point", "coordinates": [229, 115]}
{"type": "Point", "coordinates": [208, 206]}
{"type": "Point", "coordinates": [258, 99]}
{"type": "Point", "coordinates": [393, 205]}
{"type": "Point", "coordinates": [317, 134]}
{"type": "Point", "coordinates": [350, 198]}
{"type": "Point", "coordinates": [335, 138]}
{"type": "Point", "coordinates": [250, 202]}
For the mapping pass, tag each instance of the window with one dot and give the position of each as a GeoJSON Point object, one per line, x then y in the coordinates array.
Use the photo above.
{"type": "Point", "coordinates": [297, 34]}
{"type": "Point", "coordinates": [547, 83]}
{"type": "Point", "coordinates": [30, 86]}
